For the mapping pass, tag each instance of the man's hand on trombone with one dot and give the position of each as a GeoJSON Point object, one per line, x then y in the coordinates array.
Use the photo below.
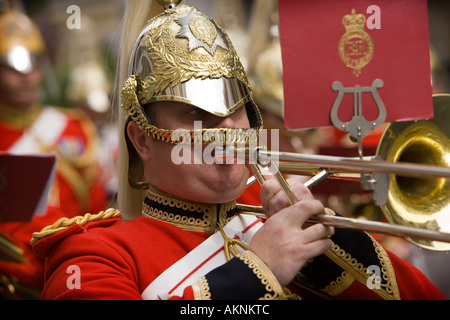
{"type": "Point", "coordinates": [286, 241]}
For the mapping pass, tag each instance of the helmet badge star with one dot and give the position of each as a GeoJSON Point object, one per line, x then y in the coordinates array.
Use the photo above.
{"type": "Point", "coordinates": [201, 32]}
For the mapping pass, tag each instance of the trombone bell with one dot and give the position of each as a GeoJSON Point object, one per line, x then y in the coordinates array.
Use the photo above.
{"type": "Point", "coordinates": [420, 202]}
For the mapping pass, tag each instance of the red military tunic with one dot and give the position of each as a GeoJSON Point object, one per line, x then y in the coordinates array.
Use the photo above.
{"type": "Point", "coordinates": [119, 259]}
{"type": "Point", "coordinates": [77, 186]}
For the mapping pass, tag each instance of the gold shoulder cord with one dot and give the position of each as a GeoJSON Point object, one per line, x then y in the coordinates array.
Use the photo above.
{"type": "Point", "coordinates": [65, 223]}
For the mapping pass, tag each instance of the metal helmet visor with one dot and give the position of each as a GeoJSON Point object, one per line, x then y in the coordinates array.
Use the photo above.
{"type": "Point", "coordinates": [220, 97]}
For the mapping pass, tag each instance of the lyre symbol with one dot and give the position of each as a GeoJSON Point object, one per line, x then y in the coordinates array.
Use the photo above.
{"type": "Point", "coordinates": [358, 127]}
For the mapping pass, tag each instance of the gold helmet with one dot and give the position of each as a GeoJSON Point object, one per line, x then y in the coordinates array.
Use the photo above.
{"type": "Point", "coordinates": [183, 55]}
{"type": "Point", "coordinates": [20, 41]}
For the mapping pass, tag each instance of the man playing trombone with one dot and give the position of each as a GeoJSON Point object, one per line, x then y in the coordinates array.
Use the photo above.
{"type": "Point", "coordinates": [177, 233]}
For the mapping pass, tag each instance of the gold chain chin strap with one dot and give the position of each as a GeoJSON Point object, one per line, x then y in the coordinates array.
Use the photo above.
{"type": "Point", "coordinates": [65, 223]}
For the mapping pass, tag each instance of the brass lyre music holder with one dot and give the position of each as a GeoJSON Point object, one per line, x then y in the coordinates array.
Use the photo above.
{"type": "Point", "coordinates": [359, 127]}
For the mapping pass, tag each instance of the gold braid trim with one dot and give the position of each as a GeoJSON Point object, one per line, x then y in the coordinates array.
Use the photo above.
{"type": "Point", "coordinates": [268, 279]}
{"type": "Point", "coordinates": [65, 223]}
{"type": "Point", "coordinates": [222, 214]}
{"type": "Point", "coordinates": [387, 270]}
{"type": "Point", "coordinates": [201, 289]}
{"type": "Point", "coordinates": [207, 219]}
{"type": "Point", "coordinates": [341, 284]}
{"type": "Point", "coordinates": [356, 270]}
{"type": "Point", "coordinates": [202, 223]}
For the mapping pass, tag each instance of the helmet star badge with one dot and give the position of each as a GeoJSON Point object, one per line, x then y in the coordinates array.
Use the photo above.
{"type": "Point", "coordinates": [200, 32]}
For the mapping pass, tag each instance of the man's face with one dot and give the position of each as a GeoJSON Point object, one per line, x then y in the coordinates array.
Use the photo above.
{"type": "Point", "coordinates": [19, 91]}
{"type": "Point", "coordinates": [212, 183]}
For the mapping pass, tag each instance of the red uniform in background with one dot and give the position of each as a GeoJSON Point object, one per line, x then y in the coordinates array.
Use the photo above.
{"type": "Point", "coordinates": [27, 128]}
{"type": "Point", "coordinates": [77, 186]}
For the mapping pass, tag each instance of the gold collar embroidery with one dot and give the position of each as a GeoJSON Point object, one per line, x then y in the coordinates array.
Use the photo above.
{"type": "Point", "coordinates": [187, 215]}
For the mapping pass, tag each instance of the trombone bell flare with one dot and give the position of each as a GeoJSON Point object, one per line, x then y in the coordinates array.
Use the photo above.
{"type": "Point", "coordinates": [418, 201]}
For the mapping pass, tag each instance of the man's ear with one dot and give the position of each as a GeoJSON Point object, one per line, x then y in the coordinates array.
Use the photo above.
{"type": "Point", "coordinates": [140, 140]}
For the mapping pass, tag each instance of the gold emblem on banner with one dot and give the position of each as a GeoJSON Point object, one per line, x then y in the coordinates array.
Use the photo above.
{"type": "Point", "coordinates": [356, 46]}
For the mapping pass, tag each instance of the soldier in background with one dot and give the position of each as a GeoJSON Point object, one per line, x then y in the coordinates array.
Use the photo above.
{"type": "Point", "coordinates": [28, 127]}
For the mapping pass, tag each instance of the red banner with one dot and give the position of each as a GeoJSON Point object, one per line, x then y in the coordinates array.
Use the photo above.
{"type": "Point", "coordinates": [353, 43]}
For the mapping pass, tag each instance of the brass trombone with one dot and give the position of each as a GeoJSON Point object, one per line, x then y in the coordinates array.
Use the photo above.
{"type": "Point", "coordinates": [411, 185]}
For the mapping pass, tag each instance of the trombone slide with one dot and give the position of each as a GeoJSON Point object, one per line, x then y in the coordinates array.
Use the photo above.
{"type": "Point", "coordinates": [349, 223]}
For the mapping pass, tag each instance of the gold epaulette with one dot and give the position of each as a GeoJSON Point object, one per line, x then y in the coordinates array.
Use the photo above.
{"type": "Point", "coordinates": [65, 223]}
